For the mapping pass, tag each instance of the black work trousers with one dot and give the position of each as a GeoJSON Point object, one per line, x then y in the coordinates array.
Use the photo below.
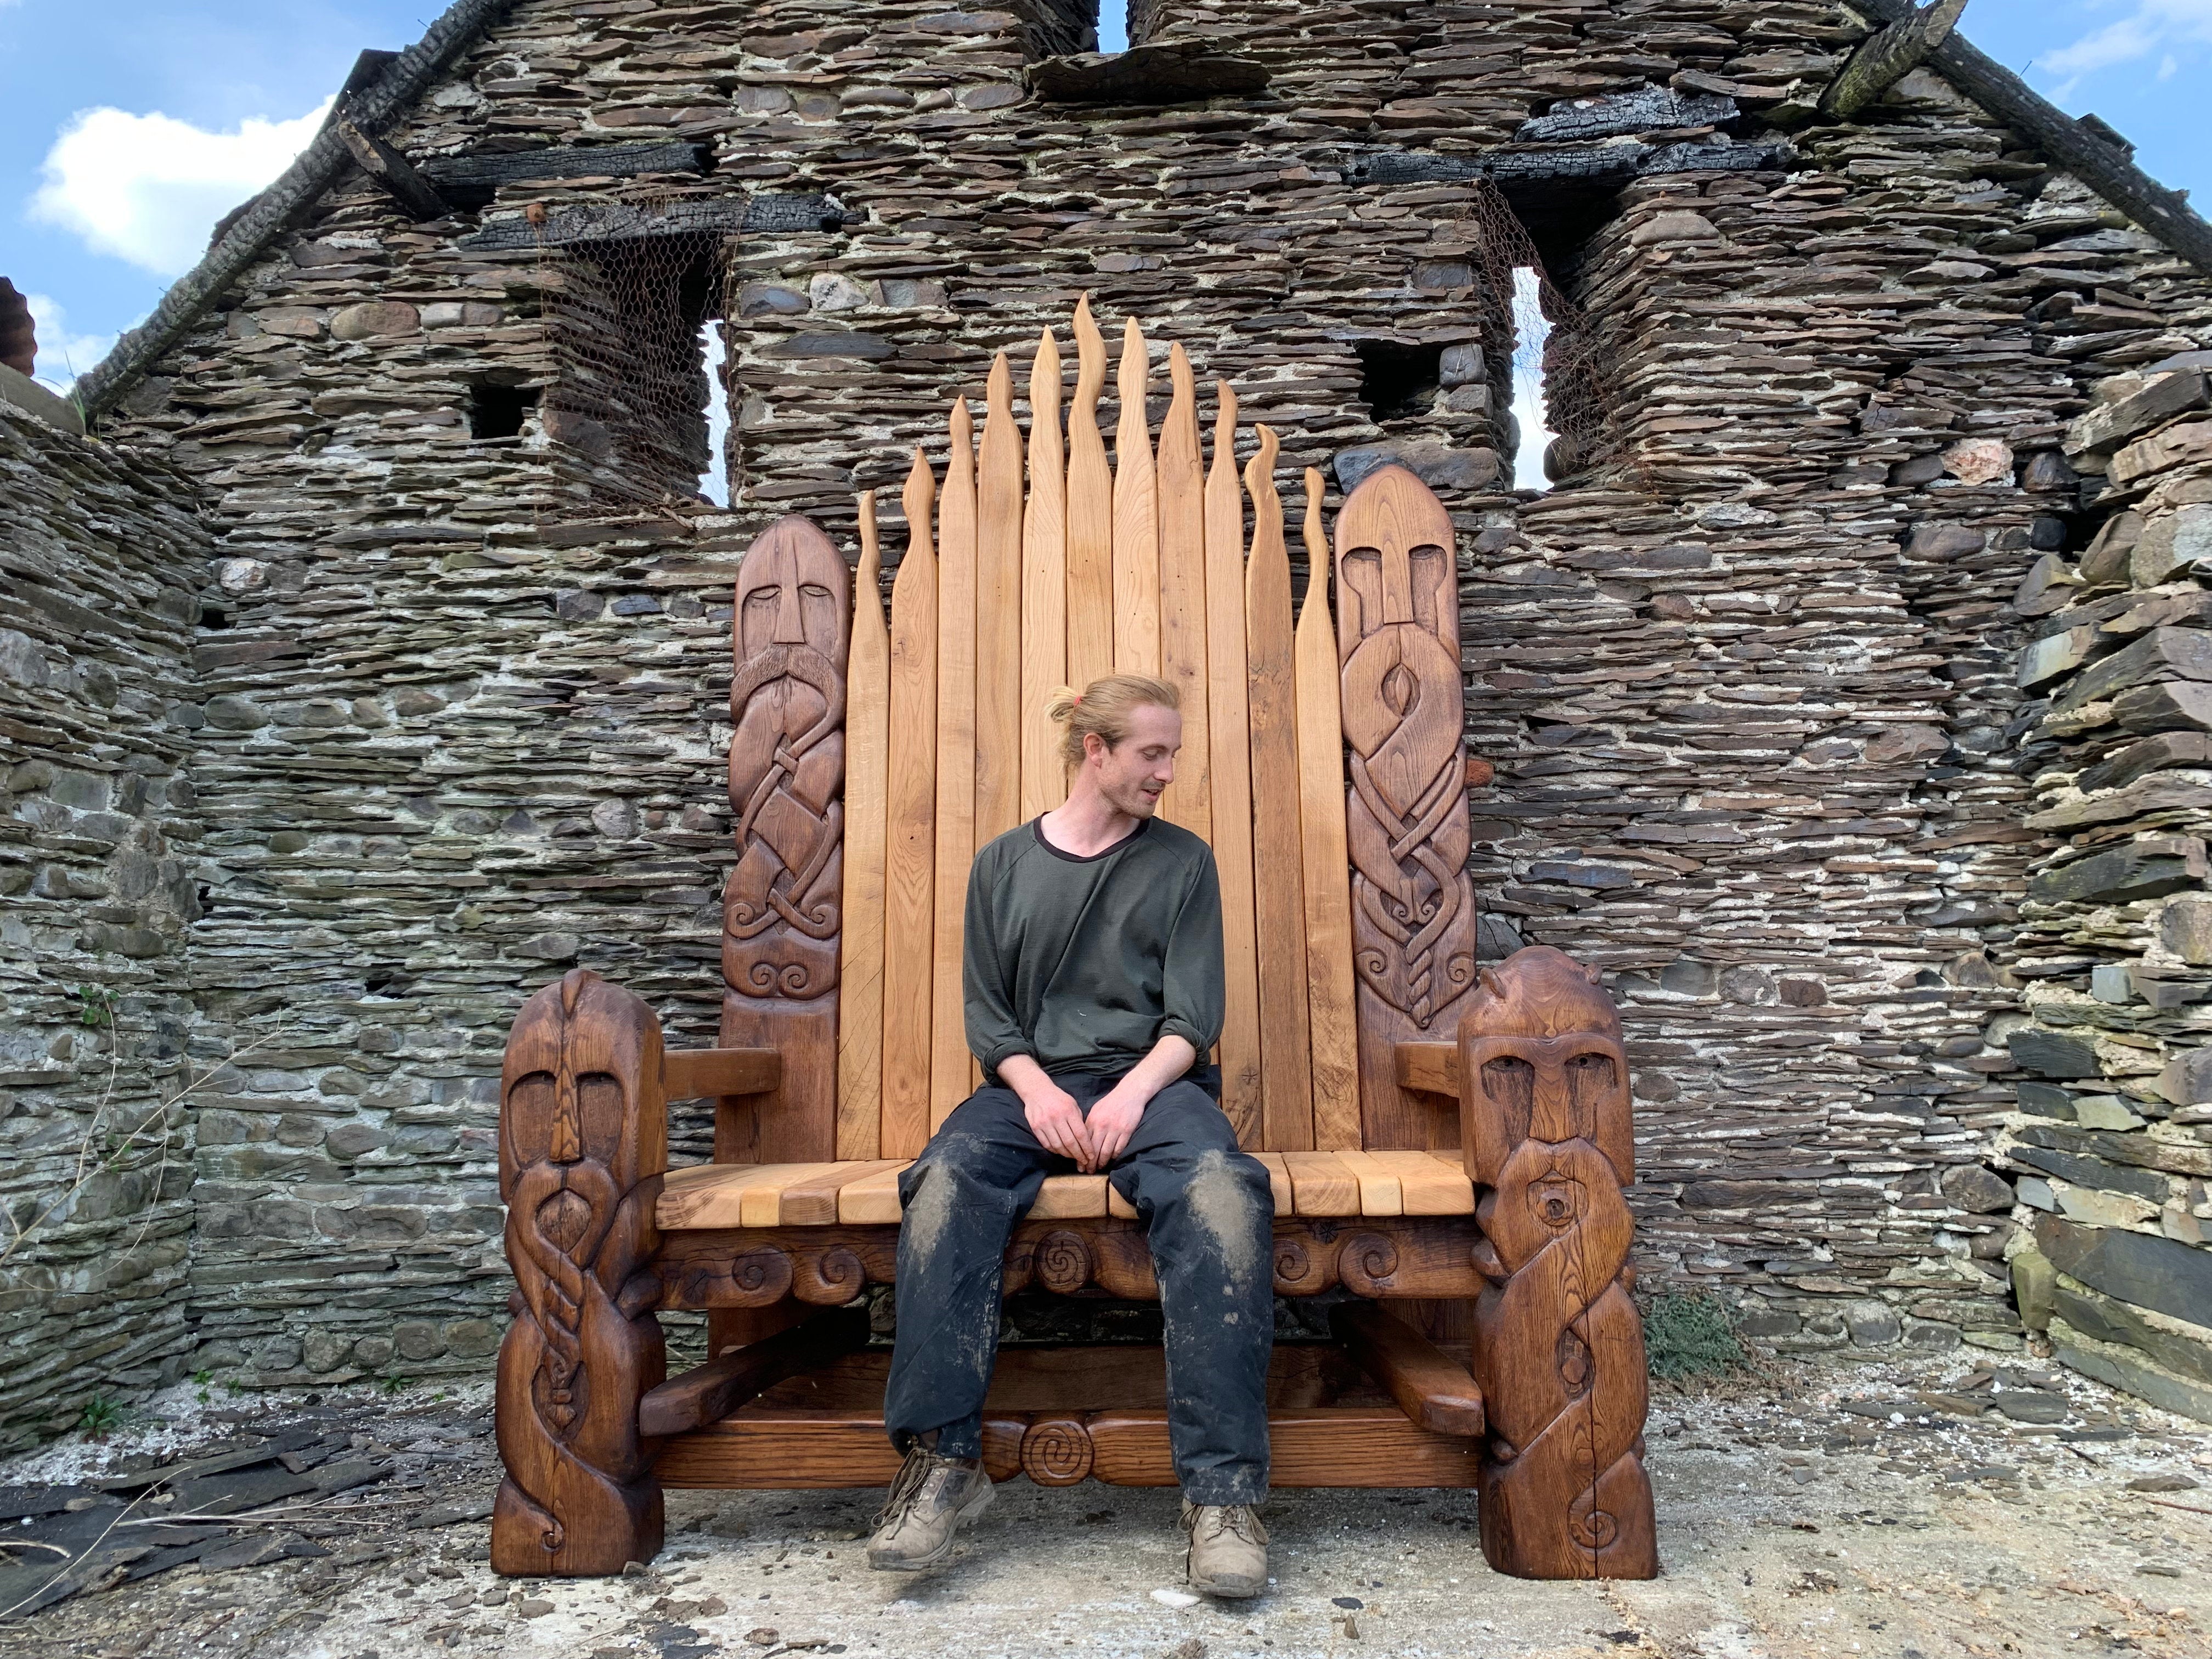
{"type": "Point", "coordinates": [1209, 1215]}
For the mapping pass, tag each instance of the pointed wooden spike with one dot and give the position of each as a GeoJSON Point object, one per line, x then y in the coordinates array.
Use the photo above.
{"type": "Point", "coordinates": [1228, 715]}
{"type": "Point", "coordinates": [1090, 514]}
{"type": "Point", "coordinates": [1285, 1051]}
{"type": "Point", "coordinates": [1136, 517]}
{"type": "Point", "coordinates": [1326, 863]}
{"type": "Point", "coordinates": [999, 611]}
{"type": "Point", "coordinates": [910, 813]}
{"type": "Point", "coordinates": [867, 745]}
{"type": "Point", "coordinates": [1044, 586]}
{"type": "Point", "coordinates": [1189, 800]}
{"type": "Point", "coordinates": [955, 762]}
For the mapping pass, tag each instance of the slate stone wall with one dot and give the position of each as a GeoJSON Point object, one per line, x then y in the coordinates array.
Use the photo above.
{"type": "Point", "coordinates": [100, 553]}
{"type": "Point", "coordinates": [1749, 680]}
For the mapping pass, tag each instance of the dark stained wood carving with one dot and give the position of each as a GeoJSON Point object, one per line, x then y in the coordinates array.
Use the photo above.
{"type": "Point", "coordinates": [828, 1267]}
{"type": "Point", "coordinates": [1558, 1346]}
{"type": "Point", "coordinates": [583, 1142]}
{"type": "Point", "coordinates": [1413, 907]}
{"type": "Point", "coordinates": [782, 908]}
{"type": "Point", "coordinates": [1432, 1388]}
{"type": "Point", "coordinates": [709, 1393]}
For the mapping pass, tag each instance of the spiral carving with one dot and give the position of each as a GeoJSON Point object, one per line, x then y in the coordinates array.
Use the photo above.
{"type": "Point", "coordinates": [829, 1278]}
{"type": "Point", "coordinates": [758, 1278]}
{"type": "Point", "coordinates": [1057, 1451]}
{"type": "Point", "coordinates": [1367, 1263]}
{"type": "Point", "coordinates": [1062, 1262]}
{"type": "Point", "coordinates": [1303, 1269]}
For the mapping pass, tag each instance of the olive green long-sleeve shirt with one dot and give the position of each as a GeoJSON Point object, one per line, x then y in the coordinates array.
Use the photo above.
{"type": "Point", "coordinates": [1086, 964]}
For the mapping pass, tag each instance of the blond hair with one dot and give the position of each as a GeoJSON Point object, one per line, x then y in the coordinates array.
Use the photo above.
{"type": "Point", "coordinates": [1103, 707]}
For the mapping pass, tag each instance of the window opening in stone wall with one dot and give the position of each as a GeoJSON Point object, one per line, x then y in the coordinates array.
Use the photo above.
{"type": "Point", "coordinates": [1531, 433]}
{"type": "Point", "coordinates": [1399, 381]}
{"type": "Point", "coordinates": [713, 349]}
{"type": "Point", "coordinates": [497, 410]}
{"type": "Point", "coordinates": [1114, 25]}
{"type": "Point", "coordinates": [640, 386]}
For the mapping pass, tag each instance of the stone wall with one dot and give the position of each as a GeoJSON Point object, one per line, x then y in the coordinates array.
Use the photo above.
{"type": "Point", "coordinates": [2114, 1144]}
{"type": "Point", "coordinates": [1748, 679]}
{"type": "Point", "coordinates": [101, 552]}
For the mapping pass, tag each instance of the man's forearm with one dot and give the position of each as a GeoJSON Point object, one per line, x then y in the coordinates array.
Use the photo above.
{"type": "Point", "coordinates": [1021, 1074]}
{"type": "Point", "coordinates": [1172, 1056]}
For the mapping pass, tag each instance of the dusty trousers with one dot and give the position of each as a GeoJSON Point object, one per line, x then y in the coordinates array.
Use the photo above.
{"type": "Point", "coordinates": [1209, 1214]}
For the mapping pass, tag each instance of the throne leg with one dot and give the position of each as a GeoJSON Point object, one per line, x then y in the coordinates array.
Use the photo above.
{"type": "Point", "coordinates": [583, 1145]}
{"type": "Point", "coordinates": [1558, 1345]}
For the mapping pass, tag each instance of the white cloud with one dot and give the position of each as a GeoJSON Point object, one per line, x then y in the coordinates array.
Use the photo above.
{"type": "Point", "coordinates": [2154, 27]}
{"type": "Point", "coordinates": [150, 188]}
{"type": "Point", "coordinates": [62, 355]}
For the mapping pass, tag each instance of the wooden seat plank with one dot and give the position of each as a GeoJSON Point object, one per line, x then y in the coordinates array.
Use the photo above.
{"type": "Point", "coordinates": [1044, 587]}
{"type": "Point", "coordinates": [910, 840]}
{"type": "Point", "coordinates": [1379, 1191]}
{"type": "Point", "coordinates": [1228, 697]}
{"type": "Point", "coordinates": [1332, 1017]}
{"type": "Point", "coordinates": [949, 1060]}
{"type": "Point", "coordinates": [873, 1200]}
{"type": "Point", "coordinates": [1136, 517]}
{"type": "Point", "coordinates": [1278, 1181]}
{"type": "Point", "coordinates": [1070, 1197]}
{"type": "Point", "coordinates": [1118, 1207]}
{"type": "Point", "coordinates": [1323, 1184]}
{"type": "Point", "coordinates": [1090, 514]}
{"type": "Point", "coordinates": [1189, 800]}
{"type": "Point", "coordinates": [867, 781]}
{"type": "Point", "coordinates": [812, 1201]}
{"type": "Point", "coordinates": [704, 1195]}
{"type": "Point", "coordinates": [1430, 1183]}
{"type": "Point", "coordinates": [1279, 904]}
{"type": "Point", "coordinates": [999, 611]}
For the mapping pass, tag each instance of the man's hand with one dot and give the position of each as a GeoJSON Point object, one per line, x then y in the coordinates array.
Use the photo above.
{"type": "Point", "coordinates": [1054, 1117]}
{"type": "Point", "coordinates": [1113, 1118]}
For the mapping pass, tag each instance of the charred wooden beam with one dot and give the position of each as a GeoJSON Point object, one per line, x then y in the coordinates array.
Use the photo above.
{"type": "Point", "coordinates": [619, 221]}
{"type": "Point", "coordinates": [708, 1394]}
{"type": "Point", "coordinates": [1582, 164]}
{"type": "Point", "coordinates": [1165, 72]}
{"type": "Point", "coordinates": [1431, 1389]}
{"type": "Point", "coordinates": [2165, 213]}
{"type": "Point", "coordinates": [1654, 109]}
{"type": "Point", "coordinates": [1887, 56]}
{"type": "Point", "coordinates": [395, 173]}
{"type": "Point", "coordinates": [472, 180]}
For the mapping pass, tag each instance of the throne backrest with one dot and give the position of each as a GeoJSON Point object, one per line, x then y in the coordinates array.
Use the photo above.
{"type": "Point", "coordinates": [1322, 760]}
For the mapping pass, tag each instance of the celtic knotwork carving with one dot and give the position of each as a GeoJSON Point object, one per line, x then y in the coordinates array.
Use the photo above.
{"type": "Point", "coordinates": [1405, 821]}
{"type": "Point", "coordinates": [781, 906]}
{"type": "Point", "coordinates": [1056, 1451]}
{"type": "Point", "coordinates": [582, 1152]}
{"type": "Point", "coordinates": [829, 1278]}
{"type": "Point", "coordinates": [1558, 1345]}
{"type": "Point", "coordinates": [1366, 1263]}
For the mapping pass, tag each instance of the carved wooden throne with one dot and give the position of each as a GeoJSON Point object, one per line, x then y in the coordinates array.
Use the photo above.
{"type": "Point", "coordinates": [1447, 1147]}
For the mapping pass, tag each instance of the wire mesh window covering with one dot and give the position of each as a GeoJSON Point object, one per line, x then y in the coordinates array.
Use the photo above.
{"type": "Point", "coordinates": [633, 392]}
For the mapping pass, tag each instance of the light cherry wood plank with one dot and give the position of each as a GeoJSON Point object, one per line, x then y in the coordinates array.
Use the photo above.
{"type": "Point", "coordinates": [705, 1196]}
{"type": "Point", "coordinates": [1379, 1191]}
{"type": "Point", "coordinates": [1278, 1182]}
{"type": "Point", "coordinates": [1323, 1184]}
{"type": "Point", "coordinates": [1285, 1053]}
{"type": "Point", "coordinates": [867, 782]}
{"type": "Point", "coordinates": [1090, 514]}
{"type": "Point", "coordinates": [1118, 1207]}
{"type": "Point", "coordinates": [1228, 699]}
{"type": "Point", "coordinates": [910, 814]}
{"type": "Point", "coordinates": [1428, 1183]}
{"type": "Point", "coordinates": [1189, 800]}
{"type": "Point", "coordinates": [1326, 863]}
{"type": "Point", "coordinates": [812, 1202]}
{"type": "Point", "coordinates": [1070, 1197]}
{"type": "Point", "coordinates": [1433, 1067]}
{"type": "Point", "coordinates": [1136, 517]}
{"type": "Point", "coordinates": [999, 611]}
{"type": "Point", "coordinates": [872, 1199]}
{"type": "Point", "coordinates": [949, 1060]}
{"type": "Point", "coordinates": [1044, 587]}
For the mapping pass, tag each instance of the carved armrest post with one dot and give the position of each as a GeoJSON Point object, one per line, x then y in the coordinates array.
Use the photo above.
{"type": "Point", "coordinates": [583, 1145]}
{"type": "Point", "coordinates": [1558, 1345]}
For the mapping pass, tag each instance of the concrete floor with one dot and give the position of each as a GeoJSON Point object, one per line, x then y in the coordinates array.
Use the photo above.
{"type": "Point", "coordinates": [1790, 1528]}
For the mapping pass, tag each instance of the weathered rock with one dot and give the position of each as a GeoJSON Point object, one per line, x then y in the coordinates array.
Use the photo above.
{"type": "Point", "coordinates": [2137, 1268]}
{"type": "Point", "coordinates": [1977, 1188]}
{"type": "Point", "coordinates": [2143, 869]}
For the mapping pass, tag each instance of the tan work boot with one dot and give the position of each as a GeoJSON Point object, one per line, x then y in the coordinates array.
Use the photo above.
{"type": "Point", "coordinates": [1228, 1548]}
{"type": "Point", "coordinates": [929, 1500]}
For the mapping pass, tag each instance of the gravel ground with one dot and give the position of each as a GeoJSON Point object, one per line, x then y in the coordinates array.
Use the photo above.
{"type": "Point", "coordinates": [1790, 1528]}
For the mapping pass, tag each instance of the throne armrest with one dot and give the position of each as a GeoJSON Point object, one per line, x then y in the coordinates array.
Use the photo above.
{"type": "Point", "coordinates": [712, 1073]}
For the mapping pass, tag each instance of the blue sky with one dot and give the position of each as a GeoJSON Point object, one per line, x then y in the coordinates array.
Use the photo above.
{"type": "Point", "coordinates": [101, 204]}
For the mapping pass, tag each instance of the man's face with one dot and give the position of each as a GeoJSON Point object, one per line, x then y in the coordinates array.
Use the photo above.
{"type": "Point", "coordinates": [1132, 774]}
